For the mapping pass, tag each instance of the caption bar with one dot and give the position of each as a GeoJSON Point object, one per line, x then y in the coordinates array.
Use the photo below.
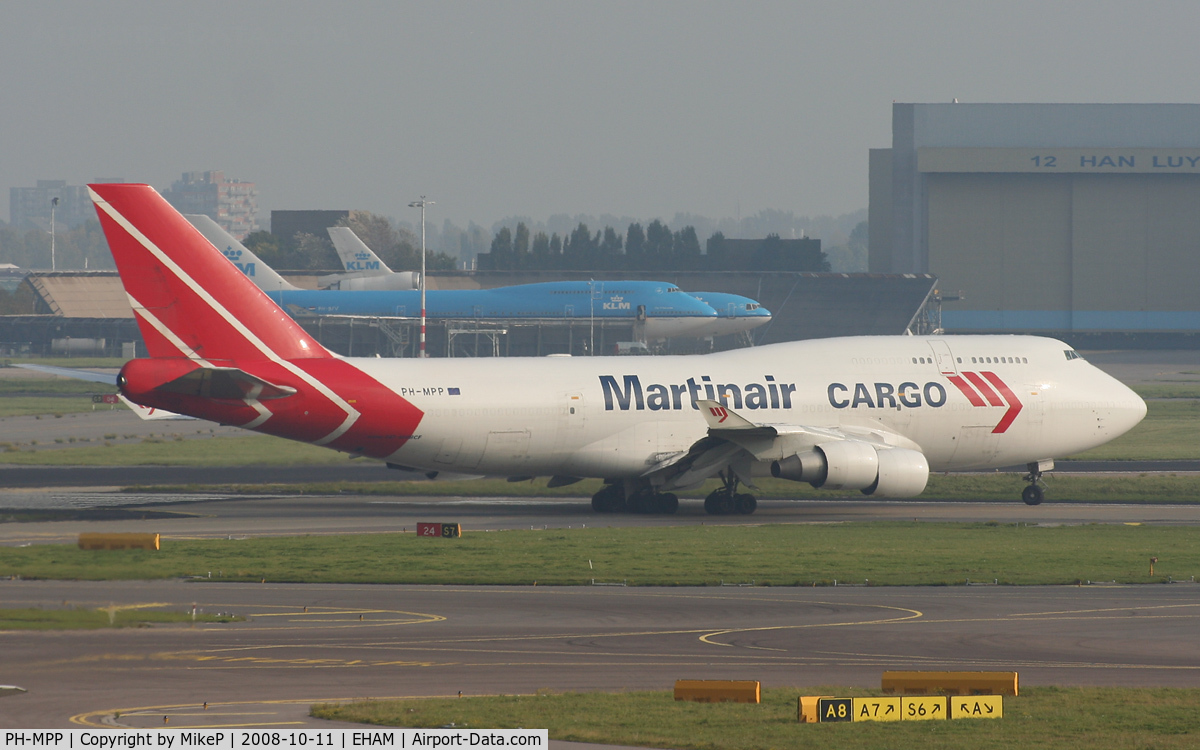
{"type": "Point", "coordinates": [175, 739]}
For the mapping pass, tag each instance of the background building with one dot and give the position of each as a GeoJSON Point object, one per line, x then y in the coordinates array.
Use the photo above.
{"type": "Point", "coordinates": [231, 203]}
{"type": "Point", "coordinates": [1058, 218]}
{"type": "Point", "coordinates": [29, 207]}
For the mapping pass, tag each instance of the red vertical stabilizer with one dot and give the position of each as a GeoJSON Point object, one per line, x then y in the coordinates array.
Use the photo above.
{"type": "Point", "coordinates": [222, 350]}
{"type": "Point", "coordinates": [189, 300]}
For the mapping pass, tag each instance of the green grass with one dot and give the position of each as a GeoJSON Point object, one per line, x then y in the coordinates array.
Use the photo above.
{"type": "Point", "coordinates": [1055, 718]}
{"type": "Point", "coordinates": [20, 397]}
{"type": "Point", "coordinates": [89, 619]}
{"type": "Point", "coordinates": [49, 406]}
{"type": "Point", "coordinates": [1170, 431]}
{"type": "Point", "coordinates": [218, 451]}
{"type": "Point", "coordinates": [887, 554]}
{"type": "Point", "coordinates": [1189, 389]}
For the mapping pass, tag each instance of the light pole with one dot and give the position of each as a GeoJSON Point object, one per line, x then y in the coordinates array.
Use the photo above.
{"type": "Point", "coordinates": [421, 204]}
{"type": "Point", "coordinates": [53, 205]}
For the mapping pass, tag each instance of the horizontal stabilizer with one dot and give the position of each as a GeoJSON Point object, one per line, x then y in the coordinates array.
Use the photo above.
{"type": "Point", "coordinates": [225, 382]}
{"type": "Point", "coordinates": [70, 372]}
{"type": "Point", "coordinates": [150, 413]}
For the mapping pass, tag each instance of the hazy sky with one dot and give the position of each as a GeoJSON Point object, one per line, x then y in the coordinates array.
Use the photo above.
{"type": "Point", "coordinates": [495, 109]}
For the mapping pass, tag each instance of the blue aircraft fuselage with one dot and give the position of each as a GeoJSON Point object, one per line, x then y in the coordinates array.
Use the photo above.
{"type": "Point", "coordinates": [666, 310]}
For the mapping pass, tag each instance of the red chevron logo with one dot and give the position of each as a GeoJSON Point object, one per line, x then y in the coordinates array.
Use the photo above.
{"type": "Point", "coordinates": [987, 389]}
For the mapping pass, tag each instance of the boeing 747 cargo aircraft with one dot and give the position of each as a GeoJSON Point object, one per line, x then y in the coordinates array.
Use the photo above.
{"type": "Point", "coordinates": [868, 414]}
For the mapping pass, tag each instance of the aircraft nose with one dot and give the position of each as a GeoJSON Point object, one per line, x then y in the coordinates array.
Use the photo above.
{"type": "Point", "coordinates": [1125, 409]}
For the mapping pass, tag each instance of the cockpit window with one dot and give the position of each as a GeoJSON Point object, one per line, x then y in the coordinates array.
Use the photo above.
{"type": "Point", "coordinates": [1072, 354]}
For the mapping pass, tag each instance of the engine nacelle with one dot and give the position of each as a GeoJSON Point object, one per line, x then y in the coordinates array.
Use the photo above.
{"type": "Point", "coordinates": [857, 465]}
{"type": "Point", "coordinates": [808, 466]}
{"type": "Point", "coordinates": [902, 473]}
{"type": "Point", "coordinates": [399, 281]}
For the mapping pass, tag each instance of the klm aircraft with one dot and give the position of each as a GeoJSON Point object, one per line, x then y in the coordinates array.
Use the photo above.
{"type": "Point", "coordinates": [661, 310]}
{"type": "Point", "coordinates": [735, 313]}
{"type": "Point", "coordinates": [366, 270]}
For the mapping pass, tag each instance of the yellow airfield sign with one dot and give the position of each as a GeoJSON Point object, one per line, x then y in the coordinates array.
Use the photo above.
{"type": "Point", "coordinates": [812, 709]}
{"type": "Point", "coordinates": [877, 709]}
{"type": "Point", "coordinates": [977, 707]}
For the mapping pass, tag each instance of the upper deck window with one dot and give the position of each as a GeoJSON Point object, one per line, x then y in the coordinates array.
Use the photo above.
{"type": "Point", "coordinates": [1072, 354]}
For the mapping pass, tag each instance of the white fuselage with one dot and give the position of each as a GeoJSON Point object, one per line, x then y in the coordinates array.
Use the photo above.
{"type": "Point", "coordinates": [1029, 399]}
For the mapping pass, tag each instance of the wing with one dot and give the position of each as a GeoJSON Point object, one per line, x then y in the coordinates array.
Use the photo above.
{"type": "Point", "coordinates": [870, 459]}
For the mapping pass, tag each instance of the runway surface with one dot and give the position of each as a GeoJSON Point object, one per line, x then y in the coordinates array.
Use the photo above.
{"type": "Point", "coordinates": [416, 641]}
{"type": "Point", "coordinates": [182, 517]}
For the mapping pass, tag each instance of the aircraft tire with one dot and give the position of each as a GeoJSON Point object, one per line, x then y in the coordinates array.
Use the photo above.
{"type": "Point", "coordinates": [607, 500]}
{"type": "Point", "coordinates": [725, 504]}
{"type": "Point", "coordinates": [710, 503]}
{"type": "Point", "coordinates": [745, 504]}
{"type": "Point", "coordinates": [668, 503]}
{"type": "Point", "coordinates": [1033, 495]}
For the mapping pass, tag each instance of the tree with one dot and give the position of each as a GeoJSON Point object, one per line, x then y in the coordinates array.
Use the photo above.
{"type": "Point", "coordinates": [541, 249]}
{"type": "Point", "coordinates": [716, 250]}
{"type": "Point", "coordinates": [858, 245]}
{"type": "Point", "coordinates": [521, 246]}
{"type": "Point", "coordinates": [851, 257]}
{"type": "Point", "coordinates": [81, 247]}
{"type": "Point", "coordinates": [276, 252]}
{"type": "Point", "coordinates": [686, 245]}
{"type": "Point", "coordinates": [502, 250]}
{"type": "Point", "coordinates": [398, 247]}
{"type": "Point", "coordinates": [20, 301]}
{"type": "Point", "coordinates": [610, 245]}
{"type": "Point", "coordinates": [374, 230]}
{"type": "Point", "coordinates": [316, 252]}
{"type": "Point", "coordinates": [580, 244]}
{"type": "Point", "coordinates": [635, 240]}
{"type": "Point", "coordinates": [659, 240]}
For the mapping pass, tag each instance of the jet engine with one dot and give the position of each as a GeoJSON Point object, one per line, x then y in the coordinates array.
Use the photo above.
{"type": "Point", "coordinates": [857, 465]}
{"type": "Point", "coordinates": [399, 281]}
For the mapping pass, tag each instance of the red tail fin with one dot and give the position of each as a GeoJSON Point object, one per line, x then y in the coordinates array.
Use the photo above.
{"type": "Point", "coordinates": [189, 300]}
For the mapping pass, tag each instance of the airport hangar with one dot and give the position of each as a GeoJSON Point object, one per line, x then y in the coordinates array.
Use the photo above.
{"type": "Point", "coordinates": [1080, 221]}
{"type": "Point", "coordinates": [86, 313]}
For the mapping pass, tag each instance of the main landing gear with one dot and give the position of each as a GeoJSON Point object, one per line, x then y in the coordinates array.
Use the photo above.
{"type": "Point", "coordinates": [618, 497]}
{"type": "Point", "coordinates": [612, 499]}
{"type": "Point", "coordinates": [725, 500]}
{"type": "Point", "coordinates": [1034, 494]}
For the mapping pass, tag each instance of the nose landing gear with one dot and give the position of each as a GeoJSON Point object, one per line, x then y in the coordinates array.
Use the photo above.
{"type": "Point", "coordinates": [1033, 494]}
